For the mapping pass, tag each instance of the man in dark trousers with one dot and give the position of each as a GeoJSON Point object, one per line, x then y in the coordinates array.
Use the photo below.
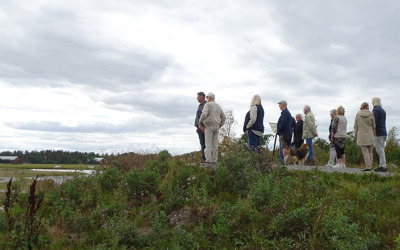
{"type": "Point", "coordinates": [201, 98]}
{"type": "Point", "coordinates": [284, 127]}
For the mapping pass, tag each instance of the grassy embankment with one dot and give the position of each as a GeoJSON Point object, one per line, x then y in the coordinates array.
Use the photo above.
{"type": "Point", "coordinates": [244, 203]}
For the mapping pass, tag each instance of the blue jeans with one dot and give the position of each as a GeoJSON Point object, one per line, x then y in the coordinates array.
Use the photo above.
{"type": "Point", "coordinates": [202, 143]}
{"type": "Point", "coordinates": [310, 150]}
{"type": "Point", "coordinates": [253, 140]}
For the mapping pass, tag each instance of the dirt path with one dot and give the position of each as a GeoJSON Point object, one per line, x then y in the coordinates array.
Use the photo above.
{"type": "Point", "coordinates": [331, 170]}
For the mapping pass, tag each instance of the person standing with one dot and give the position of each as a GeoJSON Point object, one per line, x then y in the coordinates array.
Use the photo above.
{"type": "Point", "coordinates": [364, 132]}
{"type": "Point", "coordinates": [309, 132]}
{"type": "Point", "coordinates": [339, 136]}
{"type": "Point", "coordinates": [254, 123]}
{"type": "Point", "coordinates": [298, 132]}
{"type": "Point", "coordinates": [284, 127]}
{"type": "Point", "coordinates": [201, 98]}
{"type": "Point", "coordinates": [332, 151]}
{"type": "Point", "coordinates": [381, 133]}
{"type": "Point", "coordinates": [213, 119]}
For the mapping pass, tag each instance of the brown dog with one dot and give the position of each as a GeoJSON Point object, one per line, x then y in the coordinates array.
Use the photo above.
{"type": "Point", "coordinates": [297, 155]}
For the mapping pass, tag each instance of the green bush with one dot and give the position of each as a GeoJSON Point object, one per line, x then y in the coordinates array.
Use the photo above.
{"type": "Point", "coordinates": [161, 165]}
{"type": "Point", "coordinates": [109, 179]}
{"type": "Point", "coordinates": [141, 184]}
{"type": "Point", "coordinates": [265, 192]}
{"type": "Point", "coordinates": [299, 220]}
{"type": "Point", "coordinates": [342, 233]}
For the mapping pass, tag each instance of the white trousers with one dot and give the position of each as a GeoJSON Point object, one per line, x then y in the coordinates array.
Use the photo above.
{"type": "Point", "coordinates": [380, 150]}
{"type": "Point", "coordinates": [332, 156]}
{"type": "Point", "coordinates": [211, 136]}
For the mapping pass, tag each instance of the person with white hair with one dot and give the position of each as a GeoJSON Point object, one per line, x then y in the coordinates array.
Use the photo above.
{"type": "Point", "coordinates": [309, 132]}
{"type": "Point", "coordinates": [332, 150]}
{"type": "Point", "coordinates": [381, 133]}
{"type": "Point", "coordinates": [213, 118]}
{"type": "Point", "coordinates": [339, 136]}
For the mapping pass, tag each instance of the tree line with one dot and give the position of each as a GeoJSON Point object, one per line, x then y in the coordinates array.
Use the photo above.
{"type": "Point", "coordinates": [54, 157]}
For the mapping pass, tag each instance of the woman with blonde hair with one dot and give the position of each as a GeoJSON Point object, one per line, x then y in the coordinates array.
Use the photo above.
{"type": "Point", "coordinates": [254, 123]}
{"type": "Point", "coordinates": [339, 136]}
{"type": "Point", "coordinates": [364, 132]}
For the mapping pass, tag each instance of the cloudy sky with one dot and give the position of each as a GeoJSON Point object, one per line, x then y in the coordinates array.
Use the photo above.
{"type": "Point", "coordinates": [118, 76]}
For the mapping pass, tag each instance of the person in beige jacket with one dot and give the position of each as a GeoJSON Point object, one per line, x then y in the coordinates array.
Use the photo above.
{"type": "Point", "coordinates": [364, 132]}
{"type": "Point", "coordinates": [213, 118]}
{"type": "Point", "coordinates": [309, 132]}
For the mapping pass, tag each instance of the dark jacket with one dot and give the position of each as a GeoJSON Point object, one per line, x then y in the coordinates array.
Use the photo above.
{"type": "Point", "coordinates": [380, 120]}
{"type": "Point", "coordinates": [284, 126]}
{"type": "Point", "coordinates": [298, 134]}
{"type": "Point", "coordinates": [246, 120]}
{"type": "Point", "coordinates": [198, 114]}
{"type": "Point", "coordinates": [259, 123]}
{"type": "Point", "coordinates": [330, 130]}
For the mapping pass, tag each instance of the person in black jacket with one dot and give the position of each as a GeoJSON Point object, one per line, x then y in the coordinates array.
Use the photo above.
{"type": "Point", "coordinates": [381, 133]}
{"type": "Point", "coordinates": [254, 123]}
{"type": "Point", "coordinates": [298, 132]}
{"type": "Point", "coordinates": [201, 98]}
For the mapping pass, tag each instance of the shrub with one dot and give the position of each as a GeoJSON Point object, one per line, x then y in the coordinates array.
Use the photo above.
{"type": "Point", "coordinates": [341, 233]}
{"type": "Point", "coordinates": [161, 165]}
{"type": "Point", "coordinates": [141, 184]}
{"type": "Point", "coordinates": [299, 220]}
{"type": "Point", "coordinates": [109, 179]}
{"type": "Point", "coordinates": [265, 192]}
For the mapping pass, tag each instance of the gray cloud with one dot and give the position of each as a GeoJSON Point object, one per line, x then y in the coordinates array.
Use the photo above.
{"type": "Point", "coordinates": [55, 46]}
{"type": "Point", "coordinates": [318, 53]}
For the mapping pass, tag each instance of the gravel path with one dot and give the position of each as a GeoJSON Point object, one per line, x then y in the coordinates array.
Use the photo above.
{"type": "Point", "coordinates": [331, 170]}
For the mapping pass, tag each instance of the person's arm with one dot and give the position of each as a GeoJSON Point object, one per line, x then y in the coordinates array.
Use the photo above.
{"type": "Point", "coordinates": [223, 118]}
{"type": "Point", "coordinates": [253, 117]}
{"type": "Point", "coordinates": [334, 126]}
{"type": "Point", "coordinates": [355, 127]}
{"type": "Point", "coordinates": [204, 114]}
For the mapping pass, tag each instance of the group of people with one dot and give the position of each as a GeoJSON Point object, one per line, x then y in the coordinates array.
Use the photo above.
{"type": "Point", "coordinates": [369, 130]}
{"type": "Point", "coordinates": [209, 119]}
{"type": "Point", "coordinates": [301, 130]}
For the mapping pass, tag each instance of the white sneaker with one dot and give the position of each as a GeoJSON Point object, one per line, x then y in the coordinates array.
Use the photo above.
{"type": "Point", "coordinates": [337, 166]}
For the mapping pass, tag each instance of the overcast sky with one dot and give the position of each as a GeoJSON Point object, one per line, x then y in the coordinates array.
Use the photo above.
{"type": "Point", "coordinates": [118, 76]}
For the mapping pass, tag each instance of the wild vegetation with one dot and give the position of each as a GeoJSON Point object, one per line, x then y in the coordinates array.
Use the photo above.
{"type": "Point", "coordinates": [163, 201]}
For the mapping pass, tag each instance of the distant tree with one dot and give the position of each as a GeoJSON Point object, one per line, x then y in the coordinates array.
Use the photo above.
{"type": "Point", "coordinates": [392, 139]}
{"type": "Point", "coordinates": [322, 144]}
{"type": "Point", "coordinates": [227, 131]}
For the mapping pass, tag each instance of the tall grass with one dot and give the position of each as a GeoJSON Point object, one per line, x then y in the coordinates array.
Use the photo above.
{"type": "Point", "coordinates": [163, 201]}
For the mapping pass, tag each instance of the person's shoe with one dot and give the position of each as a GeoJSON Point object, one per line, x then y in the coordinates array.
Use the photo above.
{"type": "Point", "coordinates": [328, 165]}
{"type": "Point", "coordinates": [366, 170]}
{"type": "Point", "coordinates": [337, 166]}
{"type": "Point", "coordinates": [380, 169]}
